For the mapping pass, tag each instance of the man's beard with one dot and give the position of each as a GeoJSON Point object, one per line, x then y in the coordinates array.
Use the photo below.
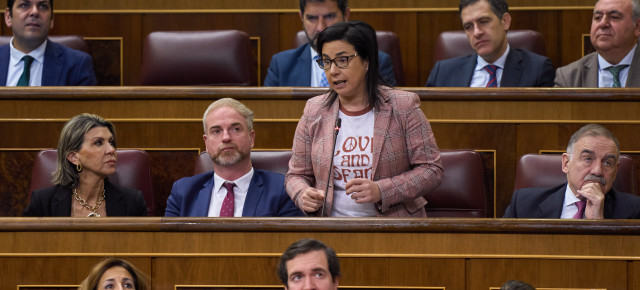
{"type": "Point", "coordinates": [312, 41]}
{"type": "Point", "coordinates": [226, 158]}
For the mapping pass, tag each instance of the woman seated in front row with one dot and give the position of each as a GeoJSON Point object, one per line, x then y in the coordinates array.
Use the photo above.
{"type": "Point", "coordinates": [114, 273]}
{"type": "Point", "coordinates": [86, 156]}
{"type": "Point", "coordinates": [385, 159]}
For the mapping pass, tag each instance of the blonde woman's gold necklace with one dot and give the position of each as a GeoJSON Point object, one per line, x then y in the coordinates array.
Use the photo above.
{"type": "Point", "coordinates": [93, 209]}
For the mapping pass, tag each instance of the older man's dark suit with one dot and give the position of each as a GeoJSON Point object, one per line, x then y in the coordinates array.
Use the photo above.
{"type": "Point", "coordinates": [522, 68]}
{"type": "Point", "coordinates": [548, 202]}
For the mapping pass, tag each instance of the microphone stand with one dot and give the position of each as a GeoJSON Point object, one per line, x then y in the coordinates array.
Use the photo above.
{"type": "Point", "coordinates": [336, 130]}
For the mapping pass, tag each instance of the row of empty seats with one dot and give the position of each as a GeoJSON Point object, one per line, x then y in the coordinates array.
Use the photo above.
{"type": "Point", "coordinates": [463, 193]}
{"type": "Point", "coordinates": [224, 58]}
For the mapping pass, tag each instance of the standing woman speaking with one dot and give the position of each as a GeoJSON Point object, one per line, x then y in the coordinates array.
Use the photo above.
{"type": "Point", "coordinates": [385, 158]}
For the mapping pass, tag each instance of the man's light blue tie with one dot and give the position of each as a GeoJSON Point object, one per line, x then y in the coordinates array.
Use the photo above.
{"type": "Point", "coordinates": [323, 80]}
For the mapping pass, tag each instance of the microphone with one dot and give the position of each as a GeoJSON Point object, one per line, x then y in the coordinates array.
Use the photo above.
{"type": "Point", "coordinates": [336, 130]}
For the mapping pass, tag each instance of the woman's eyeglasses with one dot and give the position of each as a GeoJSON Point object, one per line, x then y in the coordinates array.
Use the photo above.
{"type": "Point", "coordinates": [340, 61]}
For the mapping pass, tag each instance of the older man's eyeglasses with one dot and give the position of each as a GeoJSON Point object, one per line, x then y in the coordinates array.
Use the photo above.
{"type": "Point", "coordinates": [340, 61]}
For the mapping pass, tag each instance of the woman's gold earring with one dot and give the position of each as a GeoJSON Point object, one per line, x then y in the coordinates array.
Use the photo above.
{"type": "Point", "coordinates": [79, 167]}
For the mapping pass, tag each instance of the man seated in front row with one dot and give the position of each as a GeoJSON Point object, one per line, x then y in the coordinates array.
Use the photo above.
{"type": "Point", "coordinates": [234, 188]}
{"type": "Point", "coordinates": [309, 264]}
{"type": "Point", "coordinates": [591, 164]}
{"type": "Point", "coordinates": [495, 63]}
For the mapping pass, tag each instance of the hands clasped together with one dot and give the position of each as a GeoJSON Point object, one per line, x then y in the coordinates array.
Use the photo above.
{"type": "Point", "coordinates": [360, 189]}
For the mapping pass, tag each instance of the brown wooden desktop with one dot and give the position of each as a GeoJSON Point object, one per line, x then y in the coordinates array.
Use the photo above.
{"type": "Point", "coordinates": [389, 253]}
{"type": "Point", "coordinates": [242, 253]}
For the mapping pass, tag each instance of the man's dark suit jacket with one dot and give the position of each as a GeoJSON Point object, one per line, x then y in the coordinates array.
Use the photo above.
{"type": "Point", "coordinates": [522, 68]}
{"type": "Point", "coordinates": [292, 68]}
{"type": "Point", "coordinates": [548, 203]}
{"type": "Point", "coordinates": [63, 66]}
{"type": "Point", "coordinates": [55, 201]}
{"type": "Point", "coordinates": [266, 197]}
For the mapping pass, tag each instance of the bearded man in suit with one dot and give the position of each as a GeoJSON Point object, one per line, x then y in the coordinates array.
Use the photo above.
{"type": "Point", "coordinates": [234, 188]}
{"type": "Point", "coordinates": [296, 67]}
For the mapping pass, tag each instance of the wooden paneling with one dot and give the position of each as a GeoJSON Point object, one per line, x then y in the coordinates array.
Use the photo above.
{"type": "Point", "coordinates": [405, 25]}
{"type": "Point", "coordinates": [411, 272]}
{"type": "Point", "coordinates": [125, 26]}
{"type": "Point", "coordinates": [15, 180]}
{"type": "Point", "coordinates": [215, 271]}
{"type": "Point", "coordinates": [48, 272]}
{"type": "Point", "coordinates": [107, 57]}
{"type": "Point", "coordinates": [389, 253]}
{"type": "Point", "coordinates": [167, 166]}
{"type": "Point", "coordinates": [356, 271]}
{"type": "Point", "coordinates": [555, 274]}
{"type": "Point", "coordinates": [573, 24]}
{"type": "Point", "coordinates": [430, 25]}
{"type": "Point", "coordinates": [634, 275]}
{"type": "Point", "coordinates": [289, 25]}
{"type": "Point", "coordinates": [547, 23]}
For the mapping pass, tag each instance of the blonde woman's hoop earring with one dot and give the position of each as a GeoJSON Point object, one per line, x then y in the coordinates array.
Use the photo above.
{"type": "Point", "coordinates": [79, 167]}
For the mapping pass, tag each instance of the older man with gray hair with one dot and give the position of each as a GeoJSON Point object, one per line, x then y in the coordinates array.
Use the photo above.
{"type": "Point", "coordinates": [615, 28]}
{"type": "Point", "coordinates": [591, 163]}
